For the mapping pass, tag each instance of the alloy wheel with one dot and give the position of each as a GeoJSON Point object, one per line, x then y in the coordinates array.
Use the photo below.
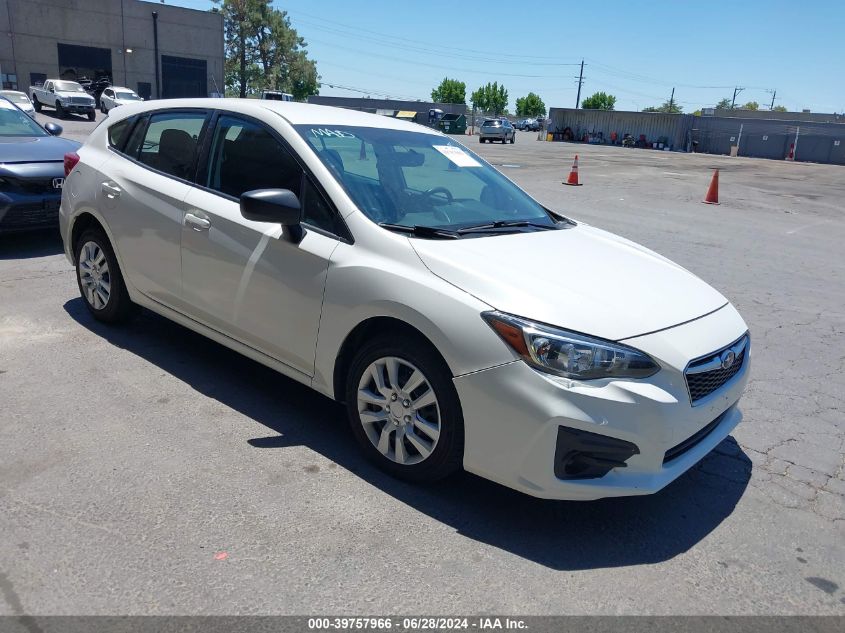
{"type": "Point", "coordinates": [399, 410]}
{"type": "Point", "coordinates": [94, 275]}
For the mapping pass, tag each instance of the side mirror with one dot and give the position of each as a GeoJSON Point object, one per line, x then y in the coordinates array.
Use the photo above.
{"type": "Point", "coordinates": [53, 129]}
{"type": "Point", "coordinates": [276, 206]}
{"type": "Point", "coordinates": [51, 89]}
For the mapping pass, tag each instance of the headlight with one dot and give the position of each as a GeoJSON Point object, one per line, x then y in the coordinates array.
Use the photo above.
{"type": "Point", "coordinates": [569, 354]}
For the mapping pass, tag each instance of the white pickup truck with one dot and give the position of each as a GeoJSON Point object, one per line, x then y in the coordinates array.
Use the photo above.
{"type": "Point", "coordinates": [65, 96]}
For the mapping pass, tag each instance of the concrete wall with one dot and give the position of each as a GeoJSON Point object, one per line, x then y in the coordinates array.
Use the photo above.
{"type": "Point", "coordinates": [768, 138]}
{"type": "Point", "coordinates": [754, 136]}
{"type": "Point", "coordinates": [36, 26]}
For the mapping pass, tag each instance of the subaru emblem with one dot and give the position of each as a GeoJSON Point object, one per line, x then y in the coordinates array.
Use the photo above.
{"type": "Point", "coordinates": [58, 183]}
{"type": "Point", "coordinates": [728, 358]}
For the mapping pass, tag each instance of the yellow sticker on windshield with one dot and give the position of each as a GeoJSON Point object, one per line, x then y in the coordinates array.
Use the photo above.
{"type": "Point", "coordinates": [457, 156]}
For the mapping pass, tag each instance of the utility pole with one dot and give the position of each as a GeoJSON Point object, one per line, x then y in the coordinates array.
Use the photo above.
{"type": "Point", "coordinates": [672, 101]}
{"type": "Point", "coordinates": [774, 93]}
{"type": "Point", "coordinates": [737, 90]}
{"type": "Point", "coordinates": [580, 81]}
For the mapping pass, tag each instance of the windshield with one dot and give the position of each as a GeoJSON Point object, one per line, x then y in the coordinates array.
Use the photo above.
{"type": "Point", "coordinates": [127, 96]}
{"type": "Point", "coordinates": [13, 122]}
{"type": "Point", "coordinates": [68, 86]}
{"type": "Point", "coordinates": [17, 97]}
{"type": "Point", "coordinates": [419, 179]}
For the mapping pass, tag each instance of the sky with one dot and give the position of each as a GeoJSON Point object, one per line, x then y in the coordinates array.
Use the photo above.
{"type": "Point", "coordinates": [635, 50]}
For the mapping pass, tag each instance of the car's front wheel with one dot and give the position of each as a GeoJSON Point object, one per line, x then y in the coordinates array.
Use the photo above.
{"type": "Point", "coordinates": [60, 111]}
{"type": "Point", "coordinates": [404, 409]}
{"type": "Point", "coordinates": [100, 280]}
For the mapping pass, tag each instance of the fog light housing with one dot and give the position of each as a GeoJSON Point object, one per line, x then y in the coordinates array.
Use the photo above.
{"type": "Point", "coordinates": [585, 455]}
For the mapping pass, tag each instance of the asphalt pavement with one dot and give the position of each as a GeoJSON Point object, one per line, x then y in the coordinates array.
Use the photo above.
{"type": "Point", "coordinates": [147, 470]}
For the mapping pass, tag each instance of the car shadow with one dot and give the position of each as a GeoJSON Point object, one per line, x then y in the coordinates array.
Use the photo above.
{"type": "Point", "coordinates": [69, 116]}
{"type": "Point", "coordinates": [557, 534]}
{"type": "Point", "coordinates": [31, 244]}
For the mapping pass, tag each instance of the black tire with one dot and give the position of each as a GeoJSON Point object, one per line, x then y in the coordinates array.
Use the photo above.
{"type": "Point", "coordinates": [92, 116]}
{"type": "Point", "coordinates": [447, 455]}
{"type": "Point", "coordinates": [36, 104]}
{"type": "Point", "coordinates": [103, 108]}
{"type": "Point", "coordinates": [513, 138]}
{"type": "Point", "coordinates": [60, 111]}
{"type": "Point", "coordinates": [119, 307]}
{"type": "Point", "coordinates": [480, 140]}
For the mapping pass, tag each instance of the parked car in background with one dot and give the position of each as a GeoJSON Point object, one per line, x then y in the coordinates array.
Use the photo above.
{"type": "Point", "coordinates": [96, 87]}
{"type": "Point", "coordinates": [276, 95]}
{"type": "Point", "coordinates": [413, 282]}
{"type": "Point", "coordinates": [67, 97]}
{"type": "Point", "coordinates": [114, 96]}
{"type": "Point", "coordinates": [497, 130]}
{"type": "Point", "coordinates": [19, 99]}
{"type": "Point", "coordinates": [31, 171]}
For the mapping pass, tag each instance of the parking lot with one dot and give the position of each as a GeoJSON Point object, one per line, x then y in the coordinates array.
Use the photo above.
{"type": "Point", "coordinates": [148, 470]}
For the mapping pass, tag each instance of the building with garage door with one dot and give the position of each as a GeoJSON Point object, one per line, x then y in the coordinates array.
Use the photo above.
{"type": "Point", "coordinates": [158, 50]}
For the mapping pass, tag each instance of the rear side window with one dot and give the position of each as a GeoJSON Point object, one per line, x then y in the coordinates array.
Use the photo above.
{"type": "Point", "coordinates": [245, 156]}
{"type": "Point", "coordinates": [118, 132]}
{"type": "Point", "coordinates": [171, 141]}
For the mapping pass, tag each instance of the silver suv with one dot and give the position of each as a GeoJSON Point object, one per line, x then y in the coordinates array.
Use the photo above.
{"type": "Point", "coordinates": [497, 130]}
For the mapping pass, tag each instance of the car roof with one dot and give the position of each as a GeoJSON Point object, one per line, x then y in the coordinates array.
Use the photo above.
{"type": "Point", "coordinates": [12, 92]}
{"type": "Point", "coordinates": [296, 113]}
{"type": "Point", "coordinates": [7, 105]}
{"type": "Point", "coordinates": [119, 88]}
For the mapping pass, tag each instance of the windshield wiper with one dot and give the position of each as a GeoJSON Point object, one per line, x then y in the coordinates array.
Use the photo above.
{"type": "Point", "coordinates": [422, 231]}
{"type": "Point", "coordinates": [504, 224]}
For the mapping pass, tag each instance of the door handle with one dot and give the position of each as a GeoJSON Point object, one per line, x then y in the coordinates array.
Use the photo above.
{"type": "Point", "coordinates": [197, 223]}
{"type": "Point", "coordinates": [112, 191]}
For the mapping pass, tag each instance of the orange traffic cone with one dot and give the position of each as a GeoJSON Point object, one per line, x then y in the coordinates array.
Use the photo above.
{"type": "Point", "coordinates": [791, 154]}
{"type": "Point", "coordinates": [573, 174]}
{"type": "Point", "coordinates": [712, 196]}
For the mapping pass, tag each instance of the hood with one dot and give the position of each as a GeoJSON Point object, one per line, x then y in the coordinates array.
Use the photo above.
{"type": "Point", "coordinates": [34, 149]}
{"type": "Point", "coordinates": [582, 279]}
{"type": "Point", "coordinates": [72, 93]}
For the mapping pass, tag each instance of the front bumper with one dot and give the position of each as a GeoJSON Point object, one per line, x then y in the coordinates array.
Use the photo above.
{"type": "Point", "coordinates": [513, 416]}
{"type": "Point", "coordinates": [28, 212]}
{"type": "Point", "coordinates": [78, 107]}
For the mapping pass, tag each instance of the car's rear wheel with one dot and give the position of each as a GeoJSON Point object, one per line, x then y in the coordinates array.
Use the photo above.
{"type": "Point", "coordinates": [100, 280]}
{"type": "Point", "coordinates": [404, 409]}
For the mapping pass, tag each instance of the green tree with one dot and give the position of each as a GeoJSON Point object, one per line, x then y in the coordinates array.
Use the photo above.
{"type": "Point", "coordinates": [724, 104]}
{"type": "Point", "coordinates": [779, 108]}
{"type": "Point", "coordinates": [530, 105]}
{"type": "Point", "coordinates": [450, 91]}
{"type": "Point", "coordinates": [599, 101]}
{"type": "Point", "coordinates": [751, 105]}
{"type": "Point", "coordinates": [491, 97]}
{"type": "Point", "coordinates": [263, 51]}
{"type": "Point", "coordinates": [671, 108]}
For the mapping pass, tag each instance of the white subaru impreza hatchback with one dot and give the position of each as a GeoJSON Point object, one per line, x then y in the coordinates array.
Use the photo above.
{"type": "Point", "coordinates": [387, 266]}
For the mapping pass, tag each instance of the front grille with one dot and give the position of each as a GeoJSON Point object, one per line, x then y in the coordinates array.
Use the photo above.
{"type": "Point", "coordinates": [706, 375]}
{"type": "Point", "coordinates": [24, 216]}
{"type": "Point", "coordinates": [29, 185]}
{"type": "Point", "coordinates": [80, 101]}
